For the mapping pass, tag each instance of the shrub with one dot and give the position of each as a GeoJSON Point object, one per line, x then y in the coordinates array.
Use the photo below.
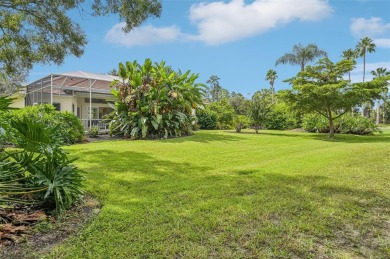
{"type": "Point", "coordinates": [225, 114]}
{"type": "Point", "coordinates": [206, 119]}
{"type": "Point", "coordinates": [68, 126]}
{"type": "Point", "coordinates": [315, 123]}
{"type": "Point", "coordinates": [93, 131]}
{"type": "Point", "coordinates": [281, 118]}
{"type": "Point", "coordinates": [241, 122]}
{"type": "Point", "coordinates": [346, 124]}
{"type": "Point", "coordinates": [358, 125]}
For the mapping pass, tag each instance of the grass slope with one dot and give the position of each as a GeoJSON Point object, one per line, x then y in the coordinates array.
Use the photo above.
{"type": "Point", "coordinates": [227, 195]}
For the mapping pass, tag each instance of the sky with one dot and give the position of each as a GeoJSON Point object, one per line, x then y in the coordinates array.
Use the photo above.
{"type": "Point", "coordinates": [237, 40]}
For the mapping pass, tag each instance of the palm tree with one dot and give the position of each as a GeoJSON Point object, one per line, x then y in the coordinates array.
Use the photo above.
{"type": "Point", "coordinates": [365, 45]}
{"type": "Point", "coordinates": [381, 72]}
{"type": "Point", "coordinates": [301, 55]}
{"type": "Point", "coordinates": [215, 88]}
{"type": "Point", "coordinates": [349, 54]}
{"type": "Point", "coordinates": [271, 76]}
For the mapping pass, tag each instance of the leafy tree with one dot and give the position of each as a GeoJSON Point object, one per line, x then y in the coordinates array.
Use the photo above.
{"type": "Point", "coordinates": [321, 89]}
{"type": "Point", "coordinates": [215, 88]}
{"type": "Point", "coordinates": [381, 72]}
{"type": "Point", "coordinates": [301, 55]}
{"type": "Point", "coordinates": [152, 103]}
{"type": "Point", "coordinates": [225, 114]}
{"type": "Point", "coordinates": [260, 107]}
{"type": "Point", "coordinates": [271, 77]}
{"type": "Point", "coordinates": [239, 103]}
{"type": "Point", "coordinates": [33, 31]}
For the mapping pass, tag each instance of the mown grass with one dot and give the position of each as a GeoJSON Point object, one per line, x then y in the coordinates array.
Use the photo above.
{"type": "Point", "coordinates": [227, 195]}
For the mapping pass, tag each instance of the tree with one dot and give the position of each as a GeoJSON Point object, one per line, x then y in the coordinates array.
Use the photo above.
{"type": "Point", "coordinates": [349, 54]}
{"type": "Point", "coordinates": [34, 31]}
{"type": "Point", "coordinates": [378, 73]}
{"type": "Point", "coordinates": [239, 103]}
{"type": "Point", "coordinates": [301, 55]}
{"type": "Point", "coordinates": [215, 88]}
{"type": "Point", "coordinates": [271, 77]}
{"type": "Point", "coordinates": [10, 84]}
{"type": "Point", "coordinates": [321, 89]}
{"type": "Point", "coordinates": [365, 45]}
{"type": "Point", "coordinates": [260, 107]}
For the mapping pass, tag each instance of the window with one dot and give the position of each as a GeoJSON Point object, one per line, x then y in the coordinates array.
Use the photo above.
{"type": "Point", "coordinates": [57, 106]}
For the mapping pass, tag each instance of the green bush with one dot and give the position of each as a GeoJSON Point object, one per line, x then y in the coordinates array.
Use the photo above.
{"type": "Point", "coordinates": [358, 125]}
{"type": "Point", "coordinates": [225, 114]}
{"type": "Point", "coordinates": [241, 122]}
{"type": "Point", "coordinates": [281, 118]}
{"type": "Point", "coordinates": [206, 119]}
{"type": "Point", "coordinates": [315, 123]}
{"type": "Point", "coordinates": [346, 124]}
{"type": "Point", "coordinates": [93, 131]}
{"type": "Point", "coordinates": [68, 126]}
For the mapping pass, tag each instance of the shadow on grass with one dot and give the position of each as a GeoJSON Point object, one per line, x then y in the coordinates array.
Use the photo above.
{"type": "Point", "coordinates": [206, 136]}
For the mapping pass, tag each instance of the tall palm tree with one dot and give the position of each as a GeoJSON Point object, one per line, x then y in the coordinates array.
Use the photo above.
{"type": "Point", "coordinates": [301, 55]}
{"type": "Point", "coordinates": [349, 54]}
{"type": "Point", "coordinates": [381, 72]}
{"type": "Point", "coordinates": [365, 45]}
{"type": "Point", "coordinates": [271, 76]}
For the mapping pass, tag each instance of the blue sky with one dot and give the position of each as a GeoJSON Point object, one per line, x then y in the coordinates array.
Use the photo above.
{"type": "Point", "coordinates": [237, 40]}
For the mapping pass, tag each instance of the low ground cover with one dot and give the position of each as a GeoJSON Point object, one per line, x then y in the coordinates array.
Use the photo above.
{"type": "Point", "coordinates": [229, 195]}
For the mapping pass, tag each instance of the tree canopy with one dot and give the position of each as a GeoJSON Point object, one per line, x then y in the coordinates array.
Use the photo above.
{"type": "Point", "coordinates": [35, 31]}
{"type": "Point", "coordinates": [322, 89]}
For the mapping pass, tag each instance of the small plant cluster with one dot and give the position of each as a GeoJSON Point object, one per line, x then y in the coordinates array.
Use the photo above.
{"type": "Point", "coordinates": [346, 124]}
{"type": "Point", "coordinates": [93, 131]}
{"type": "Point", "coordinates": [68, 126]}
{"type": "Point", "coordinates": [37, 170]}
{"type": "Point", "coordinates": [153, 101]}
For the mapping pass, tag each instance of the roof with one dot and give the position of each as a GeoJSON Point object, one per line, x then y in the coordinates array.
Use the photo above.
{"type": "Point", "coordinates": [93, 76]}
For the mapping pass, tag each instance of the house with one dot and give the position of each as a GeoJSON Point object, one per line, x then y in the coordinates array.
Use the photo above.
{"type": "Point", "coordinates": [81, 93]}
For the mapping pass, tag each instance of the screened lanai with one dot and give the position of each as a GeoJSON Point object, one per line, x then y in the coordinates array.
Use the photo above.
{"type": "Point", "coordinates": [82, 93]}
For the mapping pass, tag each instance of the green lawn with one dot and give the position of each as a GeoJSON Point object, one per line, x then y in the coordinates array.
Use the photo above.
{"type": "Point", "coordinates": [228, 195]}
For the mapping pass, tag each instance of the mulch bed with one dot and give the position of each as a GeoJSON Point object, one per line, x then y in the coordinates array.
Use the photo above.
{"type": "Point", "coordinates": [28, 232]}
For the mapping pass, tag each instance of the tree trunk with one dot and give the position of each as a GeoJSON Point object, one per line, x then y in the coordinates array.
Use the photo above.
{"type": "Point", "coordinates": [331, 127]}
{"type": "Point", "coordinates": [377, 112]}
{"type": "Point", "coordinates": [384, 112]}
{"type": "Point", "coordinates": [257, 129]}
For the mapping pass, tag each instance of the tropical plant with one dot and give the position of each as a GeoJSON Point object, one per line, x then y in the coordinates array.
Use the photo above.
{"type": "Point", "coordinates": [260, 108]}
{"type": "Point", "coordinates": [301, 55]}
{"type": "Point", "coordinates": [271, 77]}
{"type": "Point", "coordinates": [47, 171]}
{"type": "Point", "coordinates": [153, 101]}
{"type": "Point", "coordinates": [364, 46]}
{"type": "Point", "coordinates": [323, 90]}
{"type": "Point", "coordinates": [381, 72]}
{"type": "Point", "coordinates": [239, 103]}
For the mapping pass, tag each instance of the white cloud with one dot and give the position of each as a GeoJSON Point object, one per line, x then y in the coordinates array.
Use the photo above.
{"type": "Point", "coordinates": [361, 27]}
{"type": "Point", "coordinates": [382, 43]}
{"type": "Point", "coordinates": [143, 36]}
{"type": "Point", "coordinates": [220, 22]}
